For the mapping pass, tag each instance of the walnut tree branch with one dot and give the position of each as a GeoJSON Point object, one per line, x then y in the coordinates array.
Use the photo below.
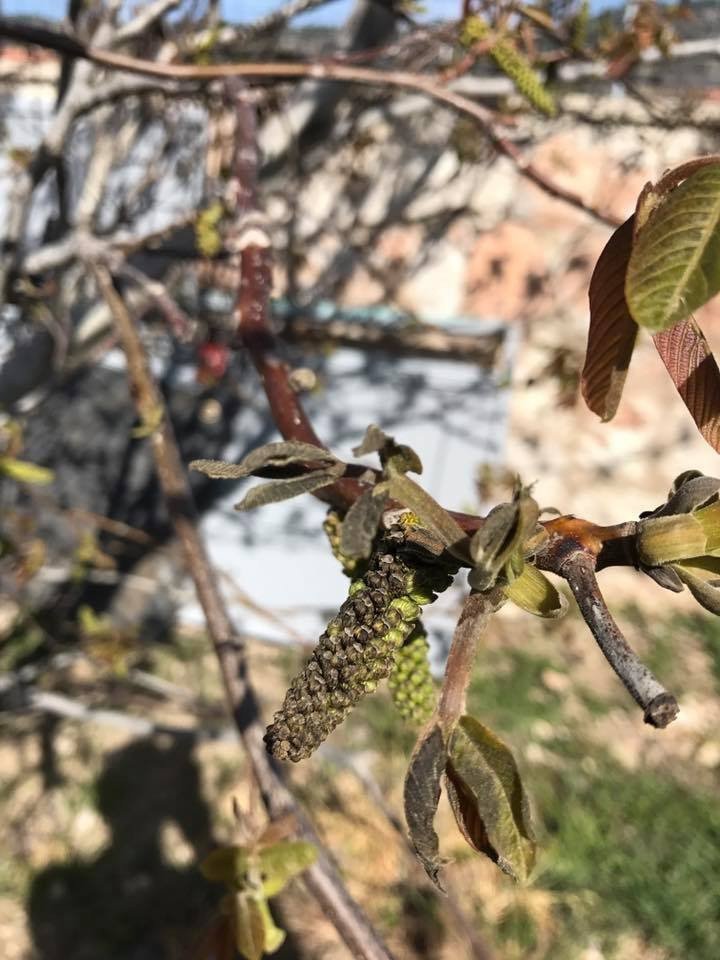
{"type": "Point", "coordinates": [327, 70]}
{"type": "Point", "coordinates": [660, 707]}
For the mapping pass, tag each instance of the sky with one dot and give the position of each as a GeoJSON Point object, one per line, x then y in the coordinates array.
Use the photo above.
{"type": "Point", "coordinates": [236, 10]}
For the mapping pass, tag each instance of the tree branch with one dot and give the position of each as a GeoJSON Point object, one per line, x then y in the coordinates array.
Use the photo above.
{"type": "Point", "coordinates": [660, 707]}
{"type": "Point", "coordinates": [327, 70]}
{"type": "Point", "coordinates": [417, 340]}
{"type": "Point", "coordinates": [322, 878]}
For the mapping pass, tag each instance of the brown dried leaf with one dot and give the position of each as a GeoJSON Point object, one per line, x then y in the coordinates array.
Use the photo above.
{"type": "Point", "coordinates": [421, 795]}
{"type": "Point", "coordinates": [612, 333]}
{"type": "Point", "coordinates": [694, 371]}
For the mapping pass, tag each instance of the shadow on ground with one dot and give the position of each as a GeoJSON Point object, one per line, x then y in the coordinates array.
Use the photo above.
{"type": "Point", "coordinates": [129, 902]}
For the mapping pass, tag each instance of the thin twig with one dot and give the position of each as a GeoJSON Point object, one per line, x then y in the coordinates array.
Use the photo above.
{"type": "Point", "coordinates": [660, 707]}
{"type": "Point", "coordinates": [416, 340]}
{"type": "Point", "coordinates": [326, 70]}
{"type": "Point", "coordinates": [147, 15]}
{"type": "Point", "coordinates": [322, 878]}
{"type": "Point", "coordinates": [476, 612]}
{"type": "Point", "coordinates": [278, 18]}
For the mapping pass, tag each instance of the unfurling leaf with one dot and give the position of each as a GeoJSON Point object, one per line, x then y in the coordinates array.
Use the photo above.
{"type": "Point", "coordinates": [533, 592]}
{"type": "Point", "coordinates": [228, 865]}
{"type": "Point", "coordinates": [690, 491]}
{"type": "Point", "coordinates": [421, 795]}
{"type": "Point", "coordinates": [612, 333]}
{"type": "Point", "coordinates": [284, 453]}
{"type": "Point", "coordinates": [249, 924]}
{"type": "Point", "coordinates": [665, 577]}
{"type": "Point", "coordinates": [360, 524]}
{"type": "Point", "coordinates": [274, 936]}
{"type": "Point", "coordinates": [500, 538]}
{"type": "Point", "coordinates": [661, 540]}
{"type": "Point", "coordinates": [702, 578]}
{"type": "Point", "coordinates": [282, 861]}
{"type": "Point", "coordinates": [374, 441]}
{"type": "Point", "coordinates": [694, 371]}
{"type": "Point", "coordinates": [674, 266]}
{"type": "Point", "coordinates": [488, 798]}
{"type": "Point", "coordinates": [431, 514]}
{"type": "Point", "coordinates": [25, 472]}
{"type": "Point", "coordinates": [276, 490]}
{"type": "Point", "coordinates": [397, 457]}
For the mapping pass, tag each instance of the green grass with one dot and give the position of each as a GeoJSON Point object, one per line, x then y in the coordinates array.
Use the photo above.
{"type": "Point", "coordinates": [645, 848]}
{"type": "Point", "coordinates": [507, 691]}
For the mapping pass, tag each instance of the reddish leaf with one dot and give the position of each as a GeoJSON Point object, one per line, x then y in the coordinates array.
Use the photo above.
{"type": "Point", "coordinates": [612, 333]}
{"type": "Point", "coordinates": [694, 371]}
{"type": "Point", "coordinates": [468, 819]}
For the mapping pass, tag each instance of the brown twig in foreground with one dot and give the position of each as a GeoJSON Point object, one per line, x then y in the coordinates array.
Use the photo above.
{"type": "Point", "coordinates": [328, 70]}
{"type": "Point", "coordinates": [322, 878]}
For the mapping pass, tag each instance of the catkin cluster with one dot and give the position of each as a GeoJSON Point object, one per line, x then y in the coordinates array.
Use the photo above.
{"type": "Point", "coordinates": [513, 64]}
{"type": "Point", "coordinates": [358, 648]}
{"type": "Point", "coordinates": [411, 683]}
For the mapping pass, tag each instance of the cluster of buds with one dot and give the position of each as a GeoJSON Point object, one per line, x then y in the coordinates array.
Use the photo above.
{"type": "Point", "coordinates": [679, 543]}
{"type": "Point", "coordinates": [352, 566]}
{"type": "Point", "coordinates": [358, 647]}
{"type": "Point", "coordinates": [411, 683]}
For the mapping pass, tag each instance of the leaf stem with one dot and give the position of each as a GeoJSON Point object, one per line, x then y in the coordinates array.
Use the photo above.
{"type": "Point", "coordinates": [474, 618]}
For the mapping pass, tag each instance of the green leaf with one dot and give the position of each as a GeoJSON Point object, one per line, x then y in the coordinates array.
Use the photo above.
{"type": "Point", "coordinates": [249, 924]}
{"type": "Point", "coordinates": [533, 592]}
{"type": "Point", "coordinates": [360, 524]}
{"type": "Point", "coordinates": [276, 490]}
{"type": "Point", "coordinates": [612, 332]}
{"type": "Point", "coordinates": [228, 865]}
{"type": "Point", "coordinates": [25, 472]}
{"type": "Point", "coordinates": [421, 795]}
{"type": "Point", "coordinates": [281, 454]}
{"type": "Point", "coordinates": [674, 266]}
{"type": "Point", "coordinates": [282, 861]}
{"type": "Point", "coordinates": [489, 800]}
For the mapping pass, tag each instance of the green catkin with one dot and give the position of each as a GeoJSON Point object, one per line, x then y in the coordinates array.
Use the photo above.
{"type": "Point", "coordinates": [513, 64]}
{"type": "Point", "coordinates": [411, 683]}
{"type": "Point", "coordinates": [358, 647]}
{"type": "Point", "coordinates": [332, 525]}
